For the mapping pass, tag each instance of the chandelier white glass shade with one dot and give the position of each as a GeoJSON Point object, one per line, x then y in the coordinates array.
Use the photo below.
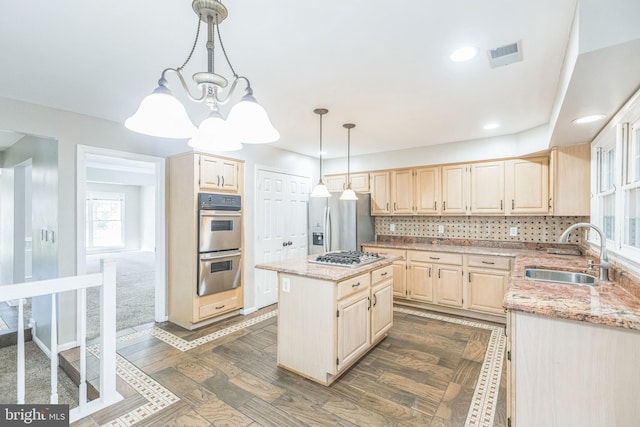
{"type": "Point", "coordinates": [348, 193]}
{"type": "Point", "coordinates": [320, 190]}
{"type": "Point", "coordinates": [161, 114]}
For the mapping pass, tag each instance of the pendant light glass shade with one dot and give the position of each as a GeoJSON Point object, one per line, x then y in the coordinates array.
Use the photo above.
{"type": "Point", "coordinates": [320, 190]}
{"type": "Point", "coordinates": [251, 122]}
{"type": "Point", "coordinates": [348, 194]}
{"type": "Point", "coordinates": [161, 114]}
{"type": "Point", "coordinates": [214, 134]}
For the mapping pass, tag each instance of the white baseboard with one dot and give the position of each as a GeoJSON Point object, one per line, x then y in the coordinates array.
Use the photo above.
{"type": "Point", "coordinates": [249, 310]}
{"type": "Point", "coordinates": [40, 344]}
{"type": "Point", "coordinates": [67, 346]}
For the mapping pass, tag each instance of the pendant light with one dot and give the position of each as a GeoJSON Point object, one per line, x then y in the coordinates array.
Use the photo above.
{"type": "Point", "coordinates": [320, 190]}
{"type": "Point", "coordinates": [348, 194]}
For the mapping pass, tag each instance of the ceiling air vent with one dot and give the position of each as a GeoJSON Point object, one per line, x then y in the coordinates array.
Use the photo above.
{"type": "Point", "coordinates": [505, 55]}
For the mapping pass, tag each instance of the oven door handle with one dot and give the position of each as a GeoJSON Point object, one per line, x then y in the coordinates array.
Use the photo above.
{"type": "Point", "coordinates": [219, 213]}
{"type": "Point", "coordinates": [207, 257]}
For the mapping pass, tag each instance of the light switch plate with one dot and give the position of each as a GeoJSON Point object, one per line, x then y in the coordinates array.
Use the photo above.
{"type": "Point", "coordinates": [513, 231]}
{"type": "Point", "coordinates": [440, 228]}
{"type": "Point", "coordinates": [392, 227]}
{"type": "Point", "coordinates": [286, 284]}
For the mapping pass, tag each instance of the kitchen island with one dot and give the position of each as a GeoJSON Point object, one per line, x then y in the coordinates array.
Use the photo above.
{"type": "Point", "coordinates": [330, 316]}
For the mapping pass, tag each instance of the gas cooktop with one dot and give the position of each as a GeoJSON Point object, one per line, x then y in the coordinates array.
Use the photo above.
{"type": "Point", "coordinates": [351, 259]}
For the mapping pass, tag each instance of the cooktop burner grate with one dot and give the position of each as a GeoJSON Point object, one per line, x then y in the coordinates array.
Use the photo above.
{"type": "Point", "coordinates": [351, 259]}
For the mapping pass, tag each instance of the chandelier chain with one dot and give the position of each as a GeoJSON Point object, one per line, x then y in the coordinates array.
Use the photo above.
{"type": "Point", "coordinates": [224, 51]}
{"type": "Point", "coordinates": [193, 48]}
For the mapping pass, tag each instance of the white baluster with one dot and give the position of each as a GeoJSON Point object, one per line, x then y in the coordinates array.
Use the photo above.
{"type": "Point", "coordinates": [83, 348]}
{"type": "Point", "coordinates": [20, 354]}
{"type": "Point", "coordinates": [108, 332]}
{"type": "Point", "coordinates": [54, 350]}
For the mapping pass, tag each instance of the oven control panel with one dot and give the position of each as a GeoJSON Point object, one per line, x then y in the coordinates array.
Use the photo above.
{"type": "Point", "coordinates": [219, 202]}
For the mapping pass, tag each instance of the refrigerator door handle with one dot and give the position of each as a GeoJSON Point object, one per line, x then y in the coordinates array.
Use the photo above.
{"type": "Point", "coordinates": [327, 229]}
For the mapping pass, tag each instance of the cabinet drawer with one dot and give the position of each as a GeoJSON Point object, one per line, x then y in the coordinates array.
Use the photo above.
{"type": "Point", "coordinates": [386, 251]}
{"type": "Point", "coordinates": [212, 307]}
{"type": "Point", "coordinates": [381, 274]}
{"type": "Point", "coordinates": [353, 285]}
{"type": "Point", "coordinates": [435, 257]}
{"type": "Point", "coordinates": [493, 262]}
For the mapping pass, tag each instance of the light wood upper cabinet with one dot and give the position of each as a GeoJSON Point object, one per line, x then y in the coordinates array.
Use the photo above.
{"type": "Point", "coordinates": [427, 191]}
{"type": "Point", "coordinates": [218, 174]}
{"type": "Point", "coordinates": [338, 183]}
{"type": "Point", "coordinates": [454, 189]}
{"type": "Point", "coordinates": [570, 180]}
{"type": "Point", "coordinates": [402, 192]}
{"type": "Point", "coordinates": [380, 195]}
{"type": "Point", "coordinates": [527, 186]}
{"type": "Point", "coordinates": [335, 183]}
{"type": "Point", "coordinates": [487, 187]}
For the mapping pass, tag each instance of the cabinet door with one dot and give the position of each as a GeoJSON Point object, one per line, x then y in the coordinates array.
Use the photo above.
{"type": "Point", "coordinates": [486, 290]}
{"type": "Point", "coordinates": [360, 182]}
{"type": "Point", "coordinates": [209, 173]}
{"type": "Point", "coordinates": [570, 180]}
{"type": "Point", "coordinates": [454, 189]}
{"type": "Point", "coordinates": [427, 191]}
{"type": "Point", "coordinates": [528, 186]}
{"type": "Point", "coordinates": [336, 183]}
{"type": "Point", "coordinates": [487, 188]}
{"type": "Point", "coordinates": [381, 309]}
{"type": "Point", "coordinates": [228, 170]}
{"type": "Point", "coordinates": [449, 285]}
{"type": "Point", "coordinates": [380, 200]}
{"type": "Point", "coordinates": [420, 281]}
{"type": "Point", "coordinates": [402, 192]}
{"type": "Point", "coordinates": [400, 279]}
{"type": "Point", "coordinates": [353, 327]}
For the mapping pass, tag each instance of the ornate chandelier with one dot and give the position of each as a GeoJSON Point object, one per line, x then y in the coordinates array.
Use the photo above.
{"type": "Point", "coordinates": [161, 114]}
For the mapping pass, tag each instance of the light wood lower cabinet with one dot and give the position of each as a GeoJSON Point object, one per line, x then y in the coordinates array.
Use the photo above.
{"type": "Point", "coordinates": [569, 373]}
{"type": "Point", "coordinates": [399, 268]}
{"type": "Point", "coordinates": [488, 278]}
{"type": "Point", "coordinates": [324, 326]}
{"type": "Point", "coordinates": [420, 281]}
{"type": "Point", "coordinates": [449, 285]}
{"type": "Point", "coordinates": [435, 277]}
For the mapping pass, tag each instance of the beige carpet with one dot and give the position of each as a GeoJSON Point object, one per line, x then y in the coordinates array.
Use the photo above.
{"type": "Point", "coordinates": [37, 378]}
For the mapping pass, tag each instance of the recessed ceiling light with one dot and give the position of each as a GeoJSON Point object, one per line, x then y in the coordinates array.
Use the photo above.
{"type": "Point", "coordinates": [322, 153]}
{"type": "Point", "coordinates": [490, 126]}
{"type": "Point", "coordinates": [588, 119]}
{"type": "Point", "coordinates": [463, 54]}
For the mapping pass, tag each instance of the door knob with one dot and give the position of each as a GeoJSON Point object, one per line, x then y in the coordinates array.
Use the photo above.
{"type": "Point", "coordinates": [289, 243]}
{"type": "Point", "coordinates": [284, 243]}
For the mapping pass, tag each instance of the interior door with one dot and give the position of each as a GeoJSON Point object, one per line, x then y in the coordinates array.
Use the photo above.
{"type": "Point", "coordinates": [281, 227]}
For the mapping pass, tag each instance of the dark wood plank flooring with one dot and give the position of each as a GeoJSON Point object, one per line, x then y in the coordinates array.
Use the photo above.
{"type": "Point", "coordinates": [423, 374]}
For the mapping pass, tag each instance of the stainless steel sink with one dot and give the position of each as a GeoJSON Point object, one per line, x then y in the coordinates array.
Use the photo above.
{"type": "Point", "coordinates": [558, 276]}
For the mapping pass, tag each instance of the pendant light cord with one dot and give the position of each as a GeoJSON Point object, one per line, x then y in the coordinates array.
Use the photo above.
{"type": "Point", "coordinates": [349, 156]}
{"type": "Point", "coordinates": [320, 147]}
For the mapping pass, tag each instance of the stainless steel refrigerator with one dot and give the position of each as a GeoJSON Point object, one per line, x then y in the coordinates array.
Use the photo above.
{"type": "Point", "coordinates": [339, 224]}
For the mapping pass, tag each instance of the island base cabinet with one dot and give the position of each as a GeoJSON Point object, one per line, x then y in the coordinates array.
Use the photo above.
{"type": "Point", "coordinates": [353, 328]}
{"type": "Point", "coordinates": [381, 309]}
{"type": "Point", "coordinates": [570, 373]}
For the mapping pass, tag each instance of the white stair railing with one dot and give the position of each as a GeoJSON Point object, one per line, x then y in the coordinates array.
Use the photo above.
{"type": "Point", "coordinates": [106, 280]}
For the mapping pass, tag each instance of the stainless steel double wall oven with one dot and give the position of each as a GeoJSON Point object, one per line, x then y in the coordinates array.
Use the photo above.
{"type": "Point", "coordinates": [219, 242]}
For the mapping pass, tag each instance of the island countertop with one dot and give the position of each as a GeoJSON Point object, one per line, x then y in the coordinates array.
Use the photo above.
{"type": "Point", "coordinates": [302, 267]}
{"type": "Point", "coordinates": [606, 303]}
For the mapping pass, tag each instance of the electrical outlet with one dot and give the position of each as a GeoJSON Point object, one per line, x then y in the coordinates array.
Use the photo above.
{"type": "Point", "coordinates": [286, 284]}
{"type": "Point", "coordinates": [513, 231]}
{"type": "Point", "coordinates": [392, 227]}
{"type": "Point", "coordinates": [440, 228]}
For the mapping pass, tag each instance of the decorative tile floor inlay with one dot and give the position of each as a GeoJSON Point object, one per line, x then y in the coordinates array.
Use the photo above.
{"type": "Point", "coordinates": [485, 396]}
{"type": "Point", "coordinates": [184, 345]}
{"type": "Point", "coordinates": [156, 395]}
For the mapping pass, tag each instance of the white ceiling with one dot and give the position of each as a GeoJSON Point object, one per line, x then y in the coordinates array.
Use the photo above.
{"type": "Point", "coordinates": [381, 65]}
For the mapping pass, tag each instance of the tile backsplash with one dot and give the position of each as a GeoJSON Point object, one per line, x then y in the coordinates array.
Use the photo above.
{"type": "Point", "coordinates": [539, 229]}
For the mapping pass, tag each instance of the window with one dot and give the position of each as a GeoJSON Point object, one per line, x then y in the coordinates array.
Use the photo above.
{"type": "Point", "coordinates": [105, 219]}
{"type": "Point", "coordinates": [606, 190]}
{"type": "Point", "coordinates": [631, 189]}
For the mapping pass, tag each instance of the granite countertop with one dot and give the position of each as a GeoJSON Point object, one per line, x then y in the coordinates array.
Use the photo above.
{"type": "Point", "coordinates": [302, 267]}
{"type": "Point", "coordinates": [606, 303]}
